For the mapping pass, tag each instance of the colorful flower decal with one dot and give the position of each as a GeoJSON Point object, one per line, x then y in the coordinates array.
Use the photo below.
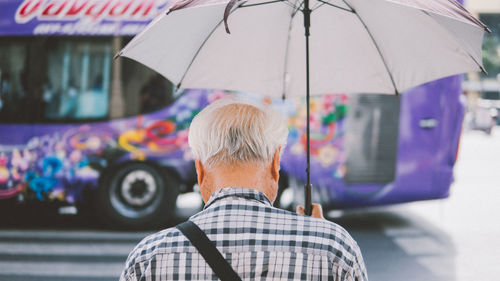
{"type": "Point", "coordinates": [59, 165]}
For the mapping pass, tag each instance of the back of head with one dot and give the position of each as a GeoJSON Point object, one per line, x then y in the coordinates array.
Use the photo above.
{"type": "Point", "coordinates": [232, 131]}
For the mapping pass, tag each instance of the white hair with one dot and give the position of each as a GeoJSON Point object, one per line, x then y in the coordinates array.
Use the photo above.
{"type": "Point", "coordinates": [232, 130]}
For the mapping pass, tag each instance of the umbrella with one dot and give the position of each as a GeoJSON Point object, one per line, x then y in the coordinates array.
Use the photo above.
{"type": "Point", "coordinates": [286, 48]}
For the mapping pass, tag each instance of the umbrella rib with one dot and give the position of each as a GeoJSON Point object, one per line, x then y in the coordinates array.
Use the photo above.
{"type": "Point", "coordinates": [269, 2]}
{"type": "Point", "coordinates": [210, 35]}
{"type": "Point", "coordinates": [333, 5]}
{"type": "Point", "coordinates": [296, 8]}
{"type": "Point", "coordinates": [261, 3]}
{"type": "Point", "coordinates": [198, 51]}
{"type": "Point", "coordinates": [300, 6]}
{"type": "Point", "coordinates": [287, 52]}
{"type": "Point", "coordinates": [376, 46]}
{"type": "Point", "coordinates": [469, 16]}
{"type": "Point", "coordinates": [473, 59]}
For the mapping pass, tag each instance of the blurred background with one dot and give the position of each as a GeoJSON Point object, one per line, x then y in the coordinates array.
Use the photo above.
{"type": "Point", "coordinates": [94, 155]}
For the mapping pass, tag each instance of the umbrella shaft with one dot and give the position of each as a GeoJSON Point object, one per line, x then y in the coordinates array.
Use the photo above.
{"type": "Point", "coordinates": [308, 188]}
{"type": "Point", "coordinates": [308, 119]}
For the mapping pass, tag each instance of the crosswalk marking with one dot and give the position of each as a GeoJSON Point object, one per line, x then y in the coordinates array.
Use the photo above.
{"type": "Point", "coordinates": [88, 269]}
{"type": "Point", "coordinates": [69, 249]}
{"type": "Point", "coordinates": [72, 234]}
{"type": "Point", "coordinates": [64, 255]}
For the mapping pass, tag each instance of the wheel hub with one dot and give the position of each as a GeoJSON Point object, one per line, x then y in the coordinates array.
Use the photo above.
{"type": "Point", "coordinates": [138, 188]}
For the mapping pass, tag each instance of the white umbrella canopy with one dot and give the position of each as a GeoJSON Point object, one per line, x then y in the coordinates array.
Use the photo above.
{"type": "Point", "coordinates": [376, 46]}
{"type": "Point", "coordinates": [287, 48]}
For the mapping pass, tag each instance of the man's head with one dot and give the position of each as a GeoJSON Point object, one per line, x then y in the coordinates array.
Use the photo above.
{"type": "Point", "coordinates": [237, 143]}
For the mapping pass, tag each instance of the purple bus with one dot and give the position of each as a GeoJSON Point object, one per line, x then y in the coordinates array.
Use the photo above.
{"type": "Point", "coordinates": [78, 129]}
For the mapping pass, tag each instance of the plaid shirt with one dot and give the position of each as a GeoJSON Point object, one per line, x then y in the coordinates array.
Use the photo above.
{"type": "Point", "coordinates": [260, 242]}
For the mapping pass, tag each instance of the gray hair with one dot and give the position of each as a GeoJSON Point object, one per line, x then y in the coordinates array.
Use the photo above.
{"type": "Point", "coordinates": [232, 130]}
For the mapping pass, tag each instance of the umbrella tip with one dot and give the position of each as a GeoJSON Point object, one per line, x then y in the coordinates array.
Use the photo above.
{"type": "Point", "coordinates": [117, 55]}
{"type": "Point", "coordinates": [483, 70]}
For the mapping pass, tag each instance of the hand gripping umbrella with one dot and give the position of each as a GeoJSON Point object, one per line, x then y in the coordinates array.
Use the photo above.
{"type": "Point", "coordinates": [350, 46]}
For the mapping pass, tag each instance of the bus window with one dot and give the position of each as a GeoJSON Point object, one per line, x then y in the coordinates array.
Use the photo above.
{"type": "Point", "coordinates": [54, 79]}
{"type": "Point", "coordinates": [12, 61]}
{"type": "Point", "coordinates": [78, 80]}
{"type": "Point", "coordinates": [71, 80]}
{"type": "Point", "coordinates": [144, 90]}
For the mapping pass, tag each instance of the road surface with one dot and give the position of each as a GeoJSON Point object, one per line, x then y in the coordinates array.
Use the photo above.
{"type": "Point", "coordinates": [450, 240]}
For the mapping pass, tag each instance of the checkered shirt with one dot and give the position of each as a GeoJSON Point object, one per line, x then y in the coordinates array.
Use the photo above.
{"type": "Point", "coordinates": [260, 242]}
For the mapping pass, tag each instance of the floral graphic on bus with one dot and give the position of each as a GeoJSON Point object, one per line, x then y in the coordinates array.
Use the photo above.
{"type": "Point", "coordinates": [327, 125]}
{"type": "Point", "coordinates": [58, 166]}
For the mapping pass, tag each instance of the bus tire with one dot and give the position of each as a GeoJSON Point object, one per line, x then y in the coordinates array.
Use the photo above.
{"type": "Point", "coordinates": [136, 196]}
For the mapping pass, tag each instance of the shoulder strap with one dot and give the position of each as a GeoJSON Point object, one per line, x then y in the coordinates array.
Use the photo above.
{"type": "Point", "coordinates": [208, 251]}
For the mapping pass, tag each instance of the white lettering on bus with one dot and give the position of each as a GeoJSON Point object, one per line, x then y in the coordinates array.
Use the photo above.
{"type": "Point", "coordinates": [47, 28]}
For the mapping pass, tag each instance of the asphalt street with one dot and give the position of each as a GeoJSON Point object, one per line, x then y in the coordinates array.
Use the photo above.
{"type": "Point", "coordinates": [452, 239]}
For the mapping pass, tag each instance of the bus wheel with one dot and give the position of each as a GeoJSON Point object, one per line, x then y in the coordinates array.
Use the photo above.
{"type": "Point", "coordinates": [136, 196]}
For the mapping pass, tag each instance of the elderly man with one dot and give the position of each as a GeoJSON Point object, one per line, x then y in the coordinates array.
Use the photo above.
{"type": "Point", "coordinates": [237, 146]}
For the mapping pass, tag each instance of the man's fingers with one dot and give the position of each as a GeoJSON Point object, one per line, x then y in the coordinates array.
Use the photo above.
{"type": "Point", "coordinates": [300, 210]}
{"type": "Point", "coordinates": [317, 211]}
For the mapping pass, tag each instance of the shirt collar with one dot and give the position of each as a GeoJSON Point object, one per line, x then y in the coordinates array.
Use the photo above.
{"type": "Point", "coordinates": [248, 193]}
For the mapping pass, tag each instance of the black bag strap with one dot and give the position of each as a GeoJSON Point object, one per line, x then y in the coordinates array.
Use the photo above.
{"type": "Point", "coordinates": [208, 251]}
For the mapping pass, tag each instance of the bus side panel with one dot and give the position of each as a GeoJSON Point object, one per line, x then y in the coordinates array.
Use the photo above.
{"type": "Point", "coordinates": [433, 115]}
{"type": "Point", "coordinates": [429, 124]}
{"type": "Point", "coordinates": [60, 161]}
{"type": "Point", "coordinates": [453, 105]}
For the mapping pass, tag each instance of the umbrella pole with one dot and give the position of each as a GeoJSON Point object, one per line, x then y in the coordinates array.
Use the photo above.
{"type": "Point", "coordinates": [308, 188]}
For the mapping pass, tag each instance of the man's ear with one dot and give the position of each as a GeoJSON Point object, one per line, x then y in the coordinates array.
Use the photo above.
{"type": "Point", "coordinates": [200, 171]}
{"type": "Point", "coordinates": [275, 165]}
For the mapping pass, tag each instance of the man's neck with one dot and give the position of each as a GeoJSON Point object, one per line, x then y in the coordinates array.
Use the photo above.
{"type": "Point", "coordinates": [251, 176]}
